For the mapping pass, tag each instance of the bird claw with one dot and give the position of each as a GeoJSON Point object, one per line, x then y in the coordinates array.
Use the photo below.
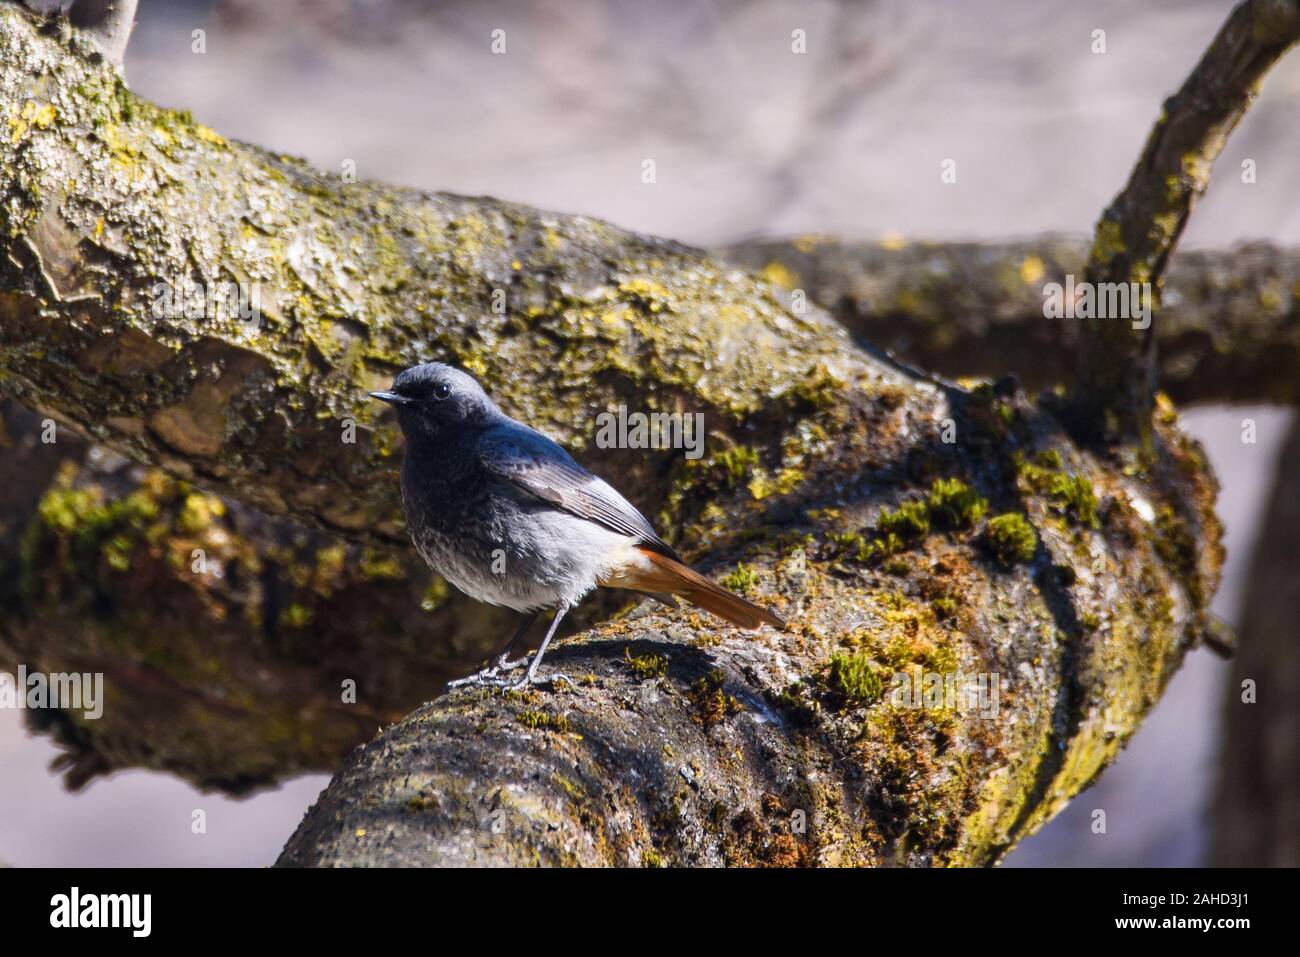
{"type": "Point", "coordinates": [485, 678]}
{"type": "Point", "coordinates": [497, 676]}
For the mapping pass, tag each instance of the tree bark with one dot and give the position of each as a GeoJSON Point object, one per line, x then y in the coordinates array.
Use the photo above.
{"type": "Point", "coordinates": [898, 523]}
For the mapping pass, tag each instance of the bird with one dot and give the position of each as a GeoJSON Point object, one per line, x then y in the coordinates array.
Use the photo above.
{"type": "Point", "coordinates": [508, 517]}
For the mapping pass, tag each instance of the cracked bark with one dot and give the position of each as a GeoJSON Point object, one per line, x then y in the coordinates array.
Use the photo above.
{"type": "Point", "coordinates": [759, 752]}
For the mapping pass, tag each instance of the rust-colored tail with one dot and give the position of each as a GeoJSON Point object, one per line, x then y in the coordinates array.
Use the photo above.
{"type": "Point", "coordinates": [671, 577]}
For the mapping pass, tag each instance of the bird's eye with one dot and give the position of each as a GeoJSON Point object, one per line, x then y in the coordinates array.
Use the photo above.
{"type": "Point", "coordinates": [441, 391]}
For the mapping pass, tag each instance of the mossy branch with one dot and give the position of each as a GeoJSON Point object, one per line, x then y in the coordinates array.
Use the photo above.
{"type": "Point", "coordinates": [860, 500]}
{"type": "Point", "coordinates": [1115, 388]}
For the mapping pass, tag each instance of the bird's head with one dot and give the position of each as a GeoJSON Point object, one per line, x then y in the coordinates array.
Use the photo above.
{"type": "Point", "coordinates": [434, 399]}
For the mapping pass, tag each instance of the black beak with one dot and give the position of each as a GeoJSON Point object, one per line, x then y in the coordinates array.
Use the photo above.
{"type": "Point", "coordinates": [392, 398]}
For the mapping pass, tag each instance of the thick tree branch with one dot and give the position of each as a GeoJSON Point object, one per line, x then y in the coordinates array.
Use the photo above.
{"type": "Point", "coordinates": [1137, 233]}
{"type": "Point", "coordinates": [859, 502]}
{"type": "Point", "coordinates": [132, 235]}
{"type": "Point", "coordinates": [788, 748]}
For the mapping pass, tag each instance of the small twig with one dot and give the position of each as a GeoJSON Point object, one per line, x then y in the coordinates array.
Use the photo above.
{"type": "Point", "coordinates": [109, 21]}
{"type": "Point", "coordinates": [1220, 637]}
{"type": "Point", "coordinates": [1116, 377]}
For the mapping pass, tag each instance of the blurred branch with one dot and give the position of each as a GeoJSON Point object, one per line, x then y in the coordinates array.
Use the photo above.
{"type": "Point", "coordinates": [110, 22]}
{"type": "Point", "coordinates": [1256, 813]}
{"type": "Point", "coordinates": [1117, 373]}
{"type": "Point", "coordinates": [1229, 329]}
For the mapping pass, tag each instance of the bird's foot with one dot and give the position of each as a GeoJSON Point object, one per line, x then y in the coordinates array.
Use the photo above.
{"type": "Point", "coordinates": [506, 683]}
{"type": "Point", "coordinates": [503, 665]}
{"type": "Point", "coordinates": [498, 676]}
{"type": "Point", "coordinates": [489, 677]}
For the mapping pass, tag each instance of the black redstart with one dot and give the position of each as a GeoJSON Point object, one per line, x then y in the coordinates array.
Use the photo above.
{"type": "Point", "coordinates": [509, 518]}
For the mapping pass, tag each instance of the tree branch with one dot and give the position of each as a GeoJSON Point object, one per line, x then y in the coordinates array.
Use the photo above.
{"type": "Point", "coordinates": [110, 22]}
{"type": "Point", "coordinates": [857, 501]}
{"type": "Point", "coordinates": [1135, 236]}
{"type": "Point", "coordinates": [1257, 801]}
{"type": "Point", "coordinates": [1229, 328]}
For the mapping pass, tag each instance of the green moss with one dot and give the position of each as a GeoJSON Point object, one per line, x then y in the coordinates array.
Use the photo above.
{"type": "Point", "coordinates": [1075, 496]}
{"type": "Point", "coordinates": [897, 565]}
{"type": "Point", "coordinates": [646, 667]}
{"type": "Point", "coordinates": [711, 703]}
{"type": "Point", "coordinates": [1109, 241]}
{"type": "Point", "coordinates": [541, 721]}
{"type": "Point", "coordinates": [1072, 495]}
{"type": "Point", "coordinates": [944, 608]}
{"type": "Point", "coordinates": [910, 522]}
{"type": "Point", "coordinates": [376, 564]}
{"type": "Point", "coordinates": [896, 601]}
{"type": "Point", "coordinates": [742, 580]}
{"type": "Point", "coordinates": [792, 701]}
{"type": "Point", "coordinates": [954, 505]}
{"type": "Point", "coordinates": [851, 545]}
{"type": "Point", "coordinates": [855, 678]}
{"type": "Point", "coordinates": [951, 504]}
{"type": "Point", "coordinates": [1176, 546]}
{"type": "Point", "coordinates": [79, 528]}
{"type": "Point", "coordinates": [819, 389]}
{"type": "Point", "coordinates": [919, 643]}
{"type": "Point", "coordinates": [736, 462]}
{"type": "Point", "coordinates": [1011, 538]}
{"type": "Point", "coordinates": [705, 478]}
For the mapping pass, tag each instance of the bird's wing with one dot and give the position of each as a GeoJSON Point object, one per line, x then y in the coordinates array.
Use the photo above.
{"type": "Point", "coordinates": [532, 462]}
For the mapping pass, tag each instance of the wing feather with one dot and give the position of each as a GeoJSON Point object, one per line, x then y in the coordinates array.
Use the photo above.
{"type": "Point", "coordinates": [535, 464]}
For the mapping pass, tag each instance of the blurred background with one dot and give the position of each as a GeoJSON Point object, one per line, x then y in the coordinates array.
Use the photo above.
{"type": "Point", "coordinates": [748, 140]}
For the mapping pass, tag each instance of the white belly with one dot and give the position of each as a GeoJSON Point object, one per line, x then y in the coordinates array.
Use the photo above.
{"type": "Point", "coordinates": [534, 567]}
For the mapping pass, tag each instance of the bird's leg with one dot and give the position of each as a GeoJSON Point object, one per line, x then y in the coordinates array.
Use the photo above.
{"type": "Point", "coordinates": [503, 663]}
{"type": "Point", "coordinates": [485, 675]}
{"type": "Point", "coordinates": [531, 676]}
